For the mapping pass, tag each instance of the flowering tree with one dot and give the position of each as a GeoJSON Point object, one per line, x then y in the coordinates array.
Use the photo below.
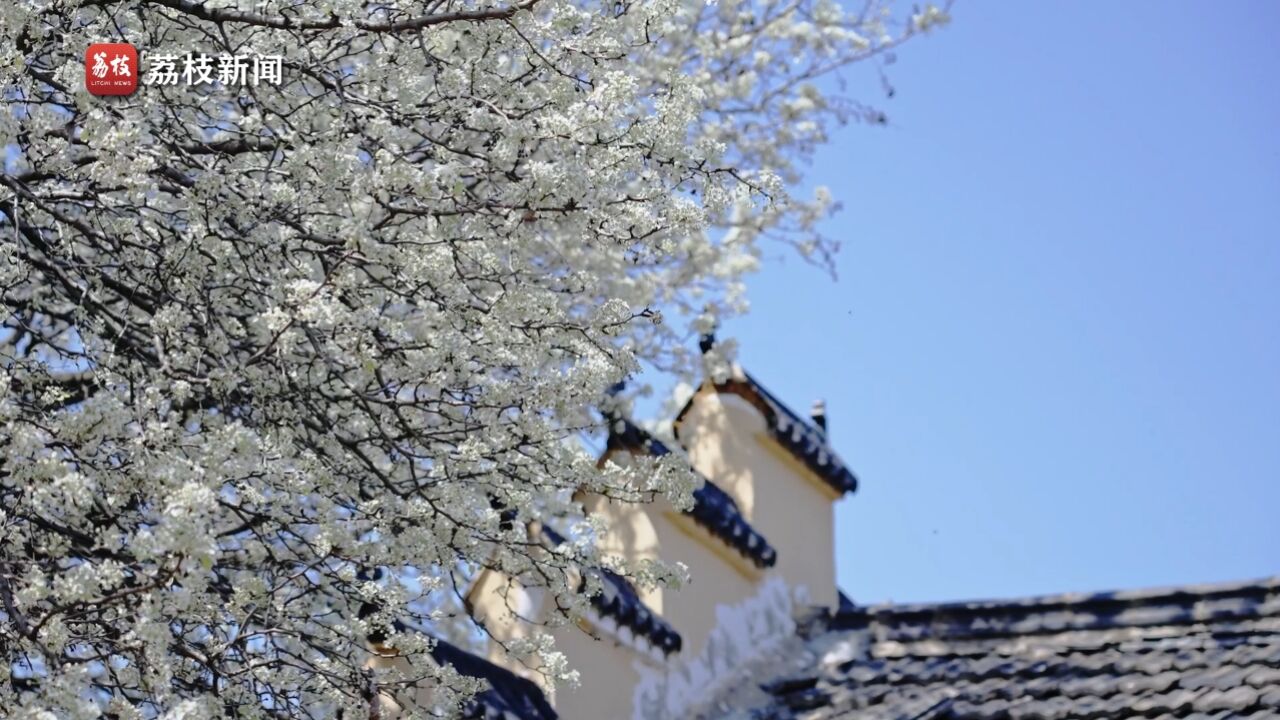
{"type": "Point", "coordinates": [264, 343]}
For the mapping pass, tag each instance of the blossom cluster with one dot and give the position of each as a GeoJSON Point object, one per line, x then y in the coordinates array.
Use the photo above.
{"type": "Point", "coordinates": [284, 370]}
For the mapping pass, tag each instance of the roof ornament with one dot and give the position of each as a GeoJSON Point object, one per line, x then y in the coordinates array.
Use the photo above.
{"type": "Point", "coordinates": [707, 341]}
{"type": "Point", "coordinates": [612, 406]}
{"type": "Point", "coordinates": [819, 414]}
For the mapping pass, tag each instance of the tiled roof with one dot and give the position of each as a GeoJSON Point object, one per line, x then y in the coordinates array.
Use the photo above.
{"type": "Point", "coordinates": [713, 508]}
{"type": "Point", "coordinates": [619, 601]}
{"type": "Point", "coordinates": [806, 441]}
{"type": "Point", "coordinates": [508, 697]}
{"type": "Point", "coordinates": [1207, 651]}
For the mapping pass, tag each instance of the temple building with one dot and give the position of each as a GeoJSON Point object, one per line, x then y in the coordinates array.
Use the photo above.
{"type": "Point", "coordinates": [763, 632]}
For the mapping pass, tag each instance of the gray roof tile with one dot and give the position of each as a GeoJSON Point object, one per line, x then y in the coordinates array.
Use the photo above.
{"type": "Point", "coordinates": [1209, 651]}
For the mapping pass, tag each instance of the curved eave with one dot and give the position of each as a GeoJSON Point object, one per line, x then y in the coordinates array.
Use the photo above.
{"type": "Point", "coordinates": [809, 445]}
{"type": "Point", "coordinates": [715, 511]}
{"type": "Point", "coordinates": [508, 697]}
{"type": "Point", "coordinates": [619, 601]}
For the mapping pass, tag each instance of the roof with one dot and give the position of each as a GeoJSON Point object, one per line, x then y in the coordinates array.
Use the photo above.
{"type": "Point", "coordinates": [804, 440]}
{"type": "Point", "coordinates": [1194, 651]}
{"type": "Point", "coordinates": [508, 697]}
{"type": "Point", "coordinates": [713, 508]}
{"type": "Point", "coordinates": [619, 601]}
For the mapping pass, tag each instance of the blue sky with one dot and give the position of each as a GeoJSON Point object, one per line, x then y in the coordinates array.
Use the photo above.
{"type": "Point", "coordinates": [1053, 352]}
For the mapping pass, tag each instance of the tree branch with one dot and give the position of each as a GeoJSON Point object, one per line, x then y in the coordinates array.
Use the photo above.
{"type": "Point", "coordinates": [284, 22]}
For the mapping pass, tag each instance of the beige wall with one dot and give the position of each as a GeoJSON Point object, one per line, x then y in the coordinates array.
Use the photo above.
{"type": "Point", "coordinates": [499, 604]}
{"type": "Point", "coordinates": [633, 533]}
{"type": "Point", "coordinates": [607, 673]}
{"type": "Point", "coordinates": [607, 666]}
{"type": "Point", "coordinates": [605, 658]}
{"type": "Point", "coordinates": [718, 433]}
{"type": "Point", "coordinates": [422, 694]}
{"type": "Point", "coordinates": [715, 580]}
{"type": "Point", "coordinates": [718, 575]}
{"type": "Point", "coordinates": [729, 442]}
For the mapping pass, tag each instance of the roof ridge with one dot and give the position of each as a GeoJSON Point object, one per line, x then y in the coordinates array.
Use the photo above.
{"type": "Point", "coordinates": [1183, 650]}
{"type": "Point", "coordinates": [1230, 587]}
{"type": "Point", "coordinates": [1093, 609]}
